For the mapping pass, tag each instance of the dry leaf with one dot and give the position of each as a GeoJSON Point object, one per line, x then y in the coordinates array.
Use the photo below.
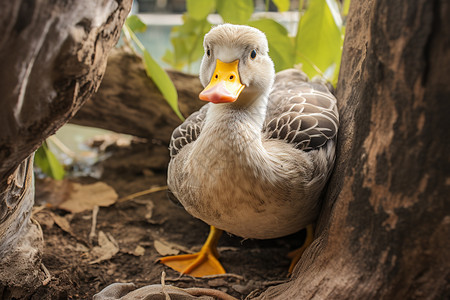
{"type": "Point", "coordinates": [52, 192]}
{"type": "Point", "coordinates": [86, 197]}
{"type": "Point", "coordinates": [78, 248]}
{"type": "Point", "coordinates": [165, 248]}
{"type": "Point", "coordinates": [62, 223]}
{"type": "Point", "coordinates": [107, 248]}
{"type": "Point", "coordinates": [139, 251]}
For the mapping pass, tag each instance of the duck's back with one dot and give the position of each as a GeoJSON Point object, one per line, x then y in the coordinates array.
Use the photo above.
{"type": "Point", "coordinates": [301, 112]}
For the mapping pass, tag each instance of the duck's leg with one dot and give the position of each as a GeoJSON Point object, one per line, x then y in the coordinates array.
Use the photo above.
{"type": "Point", "coordinates": [296, 254]}
{"type": "Point", "coordinates": [199, 264]}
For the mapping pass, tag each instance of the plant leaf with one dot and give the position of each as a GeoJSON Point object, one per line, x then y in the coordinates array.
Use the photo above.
{"type": "Point", "coordinates": [200, 9]}
{"type": "Point", "coordinates": [319, 39]}
{"type": "Point", "coordinates": [235, 11]}
{"type": "Point", "coordinates": [48, 163]}
{"type": "Point", "coordinates": [135, 24]}
{"type": "Point", "coordinates": [345, 7]}
{"type": "Point", "coordinates": [162, 81]}
{"type": "Point", "coordinates": [280, 44]}
{"type": "Point", "coordinates": [187, 42]}
{"type": "Point", "coordinates": [282, 5]}
{"type": "Point", "coordinates": [157, 74]}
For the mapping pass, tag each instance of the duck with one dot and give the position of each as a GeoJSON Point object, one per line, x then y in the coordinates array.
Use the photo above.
{"type": "Point", "coordinates": [255, 159]}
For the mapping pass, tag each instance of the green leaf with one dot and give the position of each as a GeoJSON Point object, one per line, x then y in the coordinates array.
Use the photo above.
{"type": "Point", "coordinates": [235, 11]}
{"type": "Point", "coordinates": [135, 24]}
{"type": "Point", "coordinates": [345, 7]}
{"type": "Point", "coordinates": [280, 44]}
{"type": "Point", "coordinates": [200, 9]}
{"type": "Point", "coordinates": [282, 5]}
{"type": "Point", "coordinates": [156, 73]}
{"type": "Point", "coordinates": [162, 81]}
{"type": "Point", "coordinates": [187, 42]}
{"type": "Point", "coordinates": [319, 39]}
{"type": "Point", "coordinates": [48, 163]}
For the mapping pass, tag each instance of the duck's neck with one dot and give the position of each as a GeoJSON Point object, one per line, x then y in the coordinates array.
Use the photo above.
{"type": "Point", "coordinates": [236, 125]}
{"type": "Point", "coordinates": [230, 117]}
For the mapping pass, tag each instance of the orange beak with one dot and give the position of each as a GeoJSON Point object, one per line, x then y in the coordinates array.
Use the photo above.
{"type": "Point", "coordinates": [225, 84]}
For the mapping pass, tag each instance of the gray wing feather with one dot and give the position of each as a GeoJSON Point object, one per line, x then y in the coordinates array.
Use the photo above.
{"type": "Point", "coordinates": [188, 131]}
{"type": "Point", "coordinates": [301, 112]}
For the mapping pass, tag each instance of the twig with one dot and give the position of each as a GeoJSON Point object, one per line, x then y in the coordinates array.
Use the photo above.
{"type": "Point", "coordinates": [185, 278]}
{"type": "Point", "coordinates": [37, 209]}
{"type": "Point", "coordinates": [142, 193]}
{"type": "Point", "coordinates": [224, 275]}
{"type": "Point", "coordinates": [163, 285]}
{"type": "Point", "coordinates": [47, 274]}
{"type": "Point", "coordinates": [209, 292]}
{"type": "Point", "coordinates": [94, 223]}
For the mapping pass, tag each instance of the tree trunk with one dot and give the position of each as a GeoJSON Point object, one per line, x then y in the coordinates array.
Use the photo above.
{"type": "Point", "coordinates": [385, 226]}
{"type": "Point", "coordinates": [53, 56]}
{"type": "Point", "coordinates": [129, 102]}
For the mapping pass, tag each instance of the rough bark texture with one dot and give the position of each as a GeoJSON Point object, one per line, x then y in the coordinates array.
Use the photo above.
{"type": "Point", "coordinates": [53, 56]}
{"type": "Point", "coordinates": [129, 102]}
{"type": "Point", "coordinates": [385, 225]}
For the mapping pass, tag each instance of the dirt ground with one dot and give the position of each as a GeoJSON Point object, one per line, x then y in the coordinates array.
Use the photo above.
{"type": "Point", "coordinates": [140, 229]}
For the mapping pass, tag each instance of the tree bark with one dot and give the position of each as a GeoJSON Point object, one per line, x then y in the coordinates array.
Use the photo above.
{"type": "Point", "coordinates": [384, 228]}
{"type": "Point", "coordinates": [129, 102]}
{"type": "Point", "coordinates": [53, 56]}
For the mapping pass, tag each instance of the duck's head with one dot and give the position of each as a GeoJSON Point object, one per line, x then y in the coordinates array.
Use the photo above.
{"type": "Point", "coordinates": [236, 66]}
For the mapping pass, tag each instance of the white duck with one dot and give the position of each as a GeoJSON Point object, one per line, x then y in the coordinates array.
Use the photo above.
{"type": "Point", "coordinates": [254, 161]}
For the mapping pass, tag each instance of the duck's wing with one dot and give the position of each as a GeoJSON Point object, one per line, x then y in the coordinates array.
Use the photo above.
{"type": "Point", "coordinates": [301, 112]}
{"type": "Point", "coordinates": [188, 131]}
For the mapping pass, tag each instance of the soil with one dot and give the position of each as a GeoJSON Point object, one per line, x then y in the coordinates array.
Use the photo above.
{"type": "Point", "coordinates": [135, 225]}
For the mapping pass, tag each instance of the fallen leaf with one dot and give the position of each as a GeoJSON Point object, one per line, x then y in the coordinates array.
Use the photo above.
{"type": "Point", "coordinates": [106, 249]}
{"type": "Point", "coordinates": [87, 196]}
{"type": "Point", "coordinates": [78, 248]}
{"type": "Point", "coordinates": [139, 251]}
{"type": "Point", "coordinates": [165, 248]}
{"type": "Point", "coordinates": [52, 192]}
{"type": "Point", "coordinates": [62, 223]}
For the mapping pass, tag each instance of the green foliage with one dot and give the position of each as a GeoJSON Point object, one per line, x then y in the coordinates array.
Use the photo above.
{"type": "Point", "coordinates": [317, 45]}
{"type": "Point", "coordinates": [187, 40]}
{"type": "Point", "coordinates": [154, 71]}
{"type": "Point", "coordinates": [235, 11]}
{"type": "Point", "coordinates": [48, 163]}
{"type": "Point", "coordinates": [319, 40]}
{"type": "Point", "coordinates": [135, 24]}
{"type": "Point", "coordinates": [345, 8]}
{"type": "Point", "coordinates": [280, 44]}
{"type": "Point", "coordinates": [282, 5]}
{"type": "Point", "coordinates": [200, 9]}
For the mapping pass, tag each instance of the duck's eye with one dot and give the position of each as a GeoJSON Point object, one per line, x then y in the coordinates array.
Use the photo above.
{"type": "Point", "coordinates": [208, 52]}
{"type": "Point", "coordinates": [253, 54]}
